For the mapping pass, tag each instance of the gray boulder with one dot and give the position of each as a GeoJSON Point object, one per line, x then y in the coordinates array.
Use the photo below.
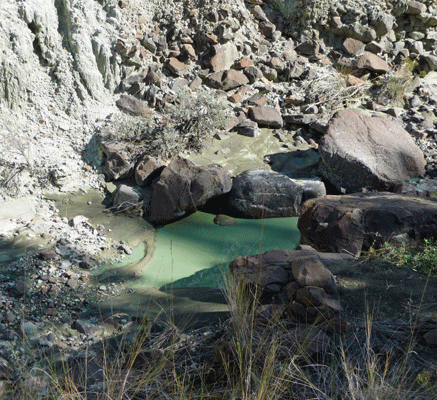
{"type": "Point", "coordinates": [266, 116]}
{"type": "Point", "coordinates": [183, 187]}
{"type": "Point", "coordinates": [260, 193]}
{"type": "Point", "coordinates": [368, 152]}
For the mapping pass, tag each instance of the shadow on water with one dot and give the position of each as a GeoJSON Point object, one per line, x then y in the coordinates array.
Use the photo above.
{"type": "Point", "coordinates": [194, 252]}
{"type": "Point", "coordinates": [185, 274]}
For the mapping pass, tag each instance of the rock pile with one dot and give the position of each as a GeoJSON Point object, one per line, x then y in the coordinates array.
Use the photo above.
{"type": "Point", "coordinates": [297, 279]}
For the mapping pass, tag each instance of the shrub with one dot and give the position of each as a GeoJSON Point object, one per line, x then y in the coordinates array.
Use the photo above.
{"type": "Point", "coordinates": [421, 259]}
{"type": "Point", "coordinates": [193, 120]}
{"type": "Point", "coordinates": [188, 125]}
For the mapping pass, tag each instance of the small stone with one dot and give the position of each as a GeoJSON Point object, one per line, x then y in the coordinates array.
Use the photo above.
{"type": "Point", "coordinates": [10, 317]}
{"type": "Point", "coordinates": [72, 283]}
{"type": "Point", "coordinates": [225, 150]}
{"type": "Point", "coordinates": [224, 220]}
{"type": "Point", "coordinates": [66, 319]}
{"type": "Point", "coordinates": [133, 106]}
{"type": "Point", "coordinates": [431, 338]}
{"type": "Point", "coordinates": [353, 80]}
{"type": "Point", "coordinates": [48, 255]}
{"type": "Point", "coordinates": [28, 327]}
{"type": "Point", "coordinates": [126, 248]}
{"type": "Point", "coordinates": [85, 264]}
{"type": "Point", "coordinates": [353, 47]}
{"type": "Point", "coordinates": [372, 62]}
{"type": "Point", "coordinates": [21, 288]}
{"type": "Point", "coordinates": [266, 116]}
{"type": "Point", "coordinates": [248, 128]}
{"type": "Point", "coordinates": [86, 327]}
{"type": "Point", "coordinates": [51, 311]}
{"type": "Point", "coordinates": [176, 67]}
{"type": "Point", "coordinates": [149, 44]}
{"type": "Point", "coordinates": [243, 63]}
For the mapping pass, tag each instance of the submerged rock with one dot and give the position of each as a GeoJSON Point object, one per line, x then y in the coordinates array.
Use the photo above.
{"type": "Point", "coordinates": [224, 220]}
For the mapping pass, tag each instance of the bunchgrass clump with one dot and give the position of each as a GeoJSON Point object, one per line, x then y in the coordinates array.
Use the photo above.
{"type": "Point", "coordinates": [391, 89]}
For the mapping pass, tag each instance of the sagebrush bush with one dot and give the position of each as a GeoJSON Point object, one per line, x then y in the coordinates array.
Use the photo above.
{"type": "Point", "coordinates": [186, 125]}
{"type": "Point", "coordinates": [193, 120]}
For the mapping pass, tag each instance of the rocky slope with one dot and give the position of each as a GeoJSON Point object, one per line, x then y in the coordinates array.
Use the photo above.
{"type": "Point", "coordinates": [65, 63]}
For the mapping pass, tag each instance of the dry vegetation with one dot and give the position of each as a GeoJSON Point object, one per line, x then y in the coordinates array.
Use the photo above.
{"type": "Point", "coordinates": [247, 357]}
{"type": "Point", "coordinates": [187, 124]}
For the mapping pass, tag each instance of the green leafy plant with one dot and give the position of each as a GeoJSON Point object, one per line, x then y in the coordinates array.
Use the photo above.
{"type": "Point", "coordinates": [418, 258]}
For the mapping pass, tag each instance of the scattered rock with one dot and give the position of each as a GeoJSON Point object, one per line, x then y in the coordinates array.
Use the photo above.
{"type": "Point", "coordinates": [372, 62]}
{"type": "Point", "coordinates": [134, 106]}
{"type": "Point", "coordinates": [266, 116]}
{"type": "Point", "coordinates": [222, 56]}
{"type": "Point", "coordinates": [147, 169]}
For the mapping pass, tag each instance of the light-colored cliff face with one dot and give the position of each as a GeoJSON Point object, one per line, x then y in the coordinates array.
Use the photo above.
{"type": "Point", "coordinates": [58, 72]}
{"type": "Point", "coordinates": [70, 43]}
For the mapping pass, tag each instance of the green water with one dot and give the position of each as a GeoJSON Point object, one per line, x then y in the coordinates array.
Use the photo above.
{"type": "Point", "coordinates": [194, 252]}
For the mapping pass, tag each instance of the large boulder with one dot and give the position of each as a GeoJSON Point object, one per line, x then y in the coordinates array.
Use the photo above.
{"type": "Point", "coordinates": [260, 193]}
{"type": "Point", "coordinates": [356, 222]}
{"type": "Point", "coordinates": [183, 187]}
{"type": "Point", "coordinates": [368, 152]}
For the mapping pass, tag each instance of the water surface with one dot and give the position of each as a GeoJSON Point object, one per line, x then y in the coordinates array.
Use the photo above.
{"type": "Point", "coordinates": [195, 252]}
